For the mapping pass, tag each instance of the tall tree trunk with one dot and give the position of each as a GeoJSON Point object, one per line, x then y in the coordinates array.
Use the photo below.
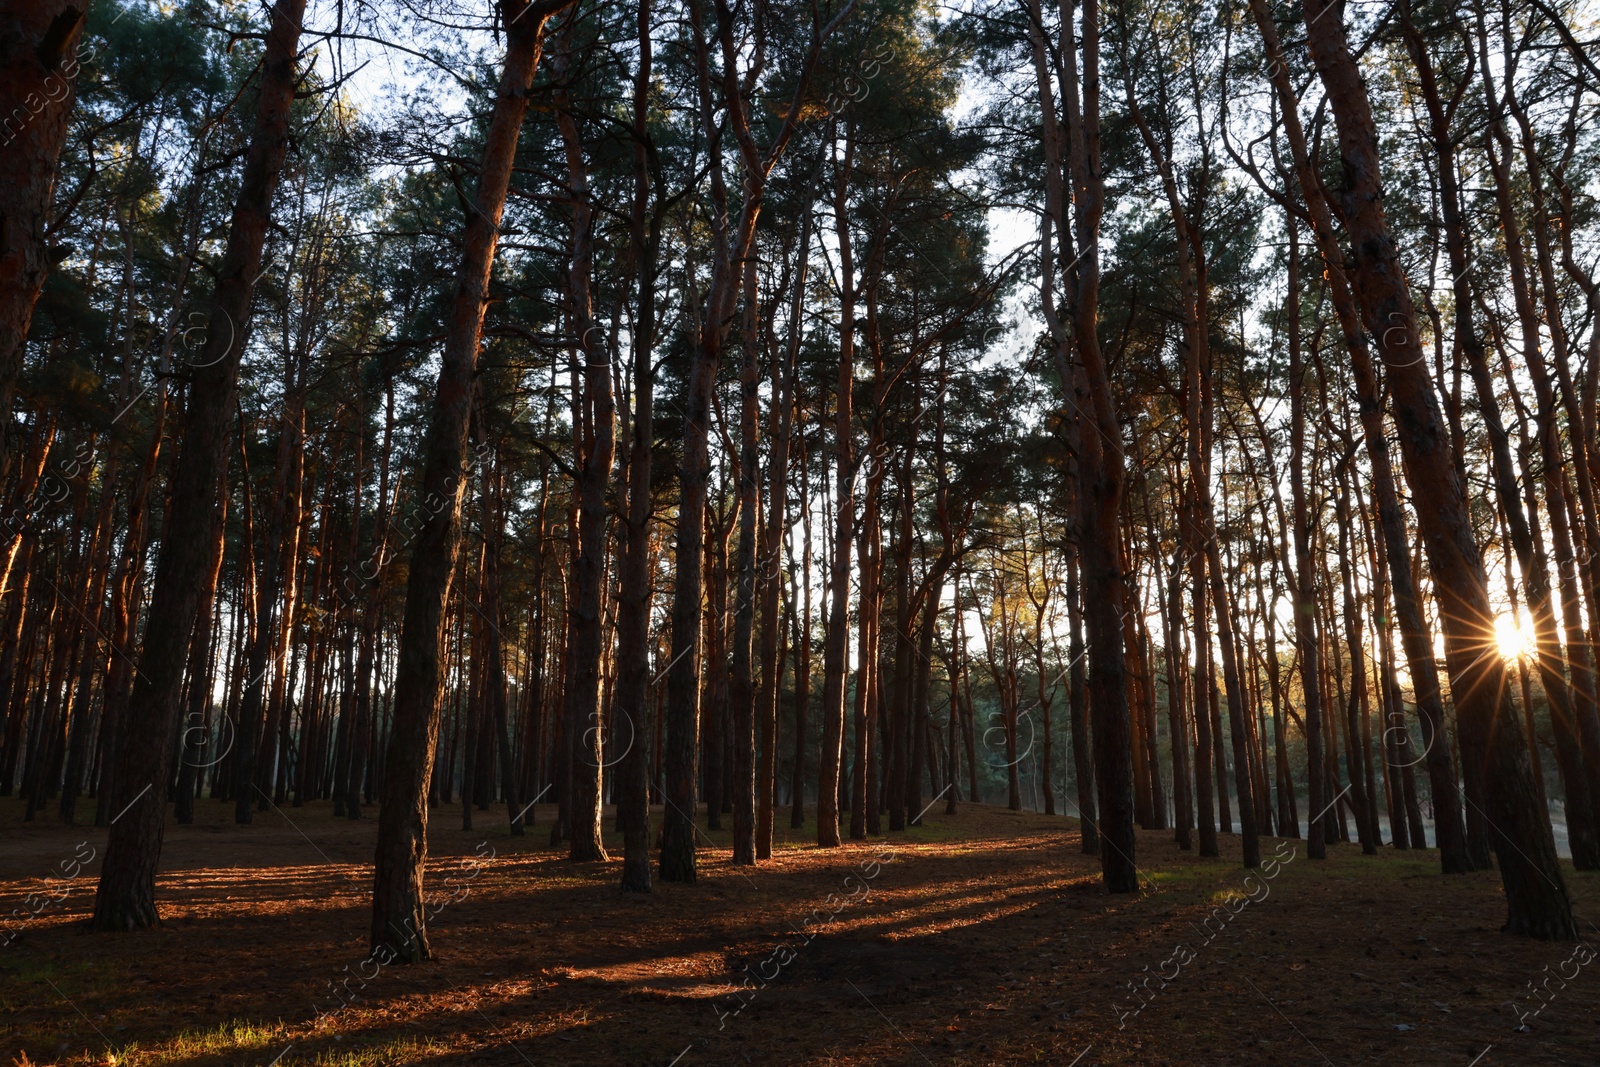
{"type": "Point", "coordinates": [786, 381]}
{"type": "Point", "coordinates": [1536, 897]}
{"type": "Point", "coordinates": [742, 692]}
{"type": "Point", "coordinates": [125, 898]}
{"type": "Point", "coordinates": [494, 673]}
{"type": "Point", "coordinates": [270, 628]}
{"type": "Point", "coordinates": [834, 660]}
{"type": "Point", "coordinates": [95, 564]}
{"type": "Point", "coordinates": [398, 921]}
{"type": "Point", "coordinates": [1356, 709]}
{"type": "Point", "coordinates": [14, 520]}
{"type": "Point", "coordinates": [1577, 567]}
{"type": "Point", "coordinates": [714, 706]}
{"type": "Point", "coordinates": [1177, 713]}
{"type": "Point", "coordinates": [1073, 161]}
{"type": "Point", "coordinates": [1101, 481]}
{"type": "Point", "coordinates": [350, 773]}
{"type": "Point", "coordinates": [633, 601]}
{"type": "Point", "coordinates": [1396, 738]}
{"type": "Point", "coordinates": [13, 685]}
{"type": "Point", "coordinates": [598, 418]}
{"type": "Point", "coordinates": [802, 656]}
{"type": "Point", "coordinates": [1454, 838]}
{"type": "Point", "coordinates": [1077, 712]}
{"type": "Point", "coordinates": [1303, 577]}
{"type": "Point", "coordinates": [1206, 742]}
{"type": "Point", "coordinates": [683, 713]}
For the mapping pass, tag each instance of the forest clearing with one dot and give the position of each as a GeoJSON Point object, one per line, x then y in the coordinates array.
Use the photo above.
{"type": "Point", "coordinates": [799, 531]}
{"type": "Point", "coordinates": [983, 938]}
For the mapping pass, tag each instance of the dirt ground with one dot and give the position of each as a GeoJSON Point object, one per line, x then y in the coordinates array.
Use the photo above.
{"type": "Point", "coordinates": [982, 938]}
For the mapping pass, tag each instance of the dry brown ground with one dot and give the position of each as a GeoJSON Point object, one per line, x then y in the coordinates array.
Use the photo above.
{"type": "Point", "coordinates": [983, 938]}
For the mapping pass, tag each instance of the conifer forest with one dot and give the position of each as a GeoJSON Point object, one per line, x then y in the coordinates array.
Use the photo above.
{"type": "Point", "coordinates": [663, 533]}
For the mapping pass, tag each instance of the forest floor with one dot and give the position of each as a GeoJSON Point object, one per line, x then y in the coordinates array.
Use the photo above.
{"type": "Point", "coordinates": [979, 938]}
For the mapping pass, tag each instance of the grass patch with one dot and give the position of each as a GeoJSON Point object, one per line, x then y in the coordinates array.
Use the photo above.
{"type": "Point", "coordinates": [400, 1050]}
{"type": "Point", "coordinates": [235, 1035]}
{"type": "Point", "coordinates": [222, 1044]}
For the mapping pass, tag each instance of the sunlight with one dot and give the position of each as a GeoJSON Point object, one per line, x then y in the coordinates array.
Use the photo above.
{"type": "Point", "coordinates": [1514, 636]}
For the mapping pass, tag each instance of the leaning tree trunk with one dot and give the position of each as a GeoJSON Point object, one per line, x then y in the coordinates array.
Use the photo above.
{"type": "Point", "coordinates": [1537, 902]}
{"type": "Point", "coordinates": [1452, 834]}
{"type": "Point", "coordinates": [397, 916]}
{"type": "Point", "coordinates": [125, 898]}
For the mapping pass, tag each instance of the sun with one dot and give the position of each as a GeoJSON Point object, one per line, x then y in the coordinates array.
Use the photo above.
{"type": "Point", "coordinates": [1514, 636]}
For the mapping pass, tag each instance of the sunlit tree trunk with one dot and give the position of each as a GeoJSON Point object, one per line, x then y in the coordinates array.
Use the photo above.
{"type": "Point", "coordinates": [1536, 897]}
{"type": "Point", "coordinates": [1415, 636]}
{"type": "Point", "coordinates": [398, 921]}
{"type": "Point", "coordinates": [125, 898]}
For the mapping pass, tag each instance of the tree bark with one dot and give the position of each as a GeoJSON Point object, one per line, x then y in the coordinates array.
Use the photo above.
{"type": "Point", "coordinates": [1536, 897]}
{"type": "Point", "coordinates": [786, 382]}
{"type": "Point", "coordinates": [1454, 839]}
{"type": "Point", "coordinates": [633, 602]}
{"type": "Point", "coordinates": [398, 922]}
{"type": "Point", "coordinates": [597, 417]}
{"type": "Point", "coordinates": [834, 665]}
{"type": "Point", "coordinates": [125, 898]}
{"type": "Point", "coordinates": [742, 691]}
